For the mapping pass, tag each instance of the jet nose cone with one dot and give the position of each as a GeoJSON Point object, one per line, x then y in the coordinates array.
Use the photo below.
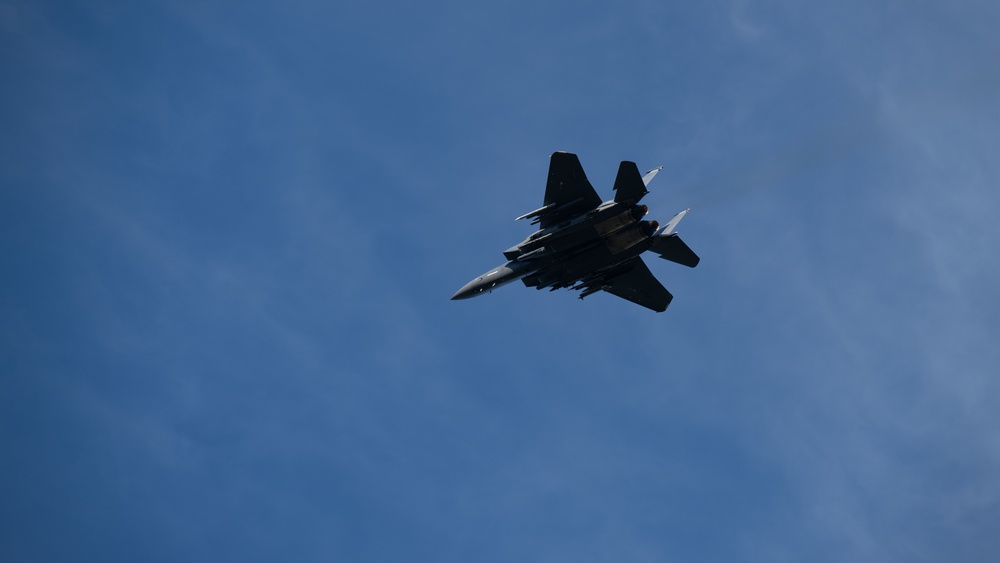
{"type": "Point", "coordinates": [469, 290]}
{"type": "Point", "coordinates": [466, 292]}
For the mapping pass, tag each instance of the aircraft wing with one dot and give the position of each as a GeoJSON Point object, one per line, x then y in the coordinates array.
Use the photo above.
{"type": "Point", "coordinates": [639, 286]}
{"type": "Point", "coordinates": [568, 193]}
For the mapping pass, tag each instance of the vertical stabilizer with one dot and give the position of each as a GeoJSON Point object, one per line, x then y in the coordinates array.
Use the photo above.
{"type": "Point", "coordinates": [629, 185]}
{"type": "Point", "coordinates": [649, 175]}
{"type": "Point", "coordinates": [671, 225]}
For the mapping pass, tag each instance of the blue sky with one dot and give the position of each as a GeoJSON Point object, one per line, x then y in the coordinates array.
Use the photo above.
{"type": "Point", "coordinates": [230, 231]}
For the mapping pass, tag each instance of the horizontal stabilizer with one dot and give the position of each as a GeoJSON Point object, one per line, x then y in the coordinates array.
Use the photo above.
{"type": "Point", "coordinates": [671, 247]}
{"type": "Point", "coordinates": [629, 185]}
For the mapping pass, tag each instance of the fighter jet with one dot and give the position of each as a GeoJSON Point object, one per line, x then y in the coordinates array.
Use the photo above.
{"type": "Point", "coordinates": [588, 245]}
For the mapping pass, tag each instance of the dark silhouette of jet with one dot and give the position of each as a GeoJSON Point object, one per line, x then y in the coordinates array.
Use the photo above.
{"type": "Point", "coordinates": [588, 245]}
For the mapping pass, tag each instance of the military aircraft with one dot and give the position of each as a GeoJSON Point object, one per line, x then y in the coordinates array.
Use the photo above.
{"type": "Point", "coordinates": [588, 245]}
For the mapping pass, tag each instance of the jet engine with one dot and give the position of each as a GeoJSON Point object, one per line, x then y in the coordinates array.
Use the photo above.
{"type": "Point", "coordinates": [626, 238]}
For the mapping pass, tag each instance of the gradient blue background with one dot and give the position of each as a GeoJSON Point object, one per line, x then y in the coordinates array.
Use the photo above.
{"type": "Point", "coordinates": [229, 231]}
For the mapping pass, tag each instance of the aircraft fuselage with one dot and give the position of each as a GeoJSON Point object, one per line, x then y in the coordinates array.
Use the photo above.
{"type": "Point", "coordinates": [566, 255]}
{"type": "Point", "coordinates": [590, 245]}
